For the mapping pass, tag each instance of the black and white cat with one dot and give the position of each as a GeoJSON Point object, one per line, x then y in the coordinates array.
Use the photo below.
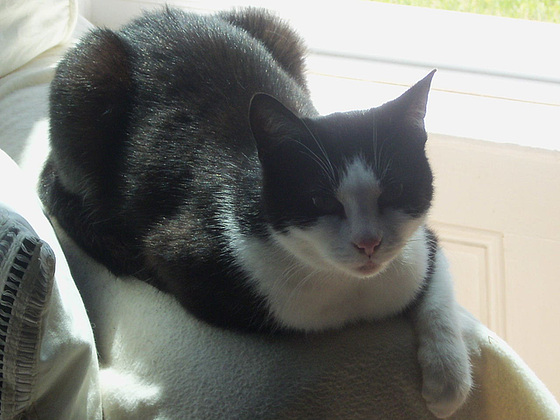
{"type": "Point", "coordinates": [186, 151]}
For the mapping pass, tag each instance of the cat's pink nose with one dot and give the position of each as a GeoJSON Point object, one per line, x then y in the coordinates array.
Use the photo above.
{"type": "Point", "coordinates": [368, 246]}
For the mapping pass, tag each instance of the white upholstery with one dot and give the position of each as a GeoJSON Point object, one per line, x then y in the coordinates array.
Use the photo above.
{"type": "Point", "coordinates": [53, 375]}
{"type": "Point", "coordinates": [59, 378]}
{"type": "Point", "coordinates": [31, 27]}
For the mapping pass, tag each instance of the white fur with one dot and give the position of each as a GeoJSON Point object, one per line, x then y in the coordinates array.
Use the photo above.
{"type": "Point", "coordinates": [442, 352]}
{"type": "Point", "coordinates": [309, 298]}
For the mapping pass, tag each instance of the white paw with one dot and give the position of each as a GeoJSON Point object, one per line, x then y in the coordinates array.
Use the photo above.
{"type": "Point", "coordinates": [446, 374]}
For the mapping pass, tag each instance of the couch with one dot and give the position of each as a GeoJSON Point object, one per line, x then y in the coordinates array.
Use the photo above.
{"type": "Point", "coordinates": [78, 343]}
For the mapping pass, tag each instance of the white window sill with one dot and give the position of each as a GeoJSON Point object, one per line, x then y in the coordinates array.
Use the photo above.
{"type": "Point", "coordinates": [498, 79]}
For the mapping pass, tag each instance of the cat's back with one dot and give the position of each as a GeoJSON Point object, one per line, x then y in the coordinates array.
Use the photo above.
{"type": "Point", "coordinates": [216, 62]}
{"type": "Point", "coordinates": [152, 120]}
{"type": "Point", "coordinates": [169, 83]}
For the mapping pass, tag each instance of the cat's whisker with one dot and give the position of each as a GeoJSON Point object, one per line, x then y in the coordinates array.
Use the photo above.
{"type": "Point", "coordinates": [325, 155]}
{"type": "Point", "coordinates": [325, 165]}
{"type": "Point", "coordinates": [383, 163]}
{"type": "Point", "coordinates": [319, 162]}
{"type": "Point", "coordinates": [291, 300]}
{"type": "Point", "coordinates": [375, 139]}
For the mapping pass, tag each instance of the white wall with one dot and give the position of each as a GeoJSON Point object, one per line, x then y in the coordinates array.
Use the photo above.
{"type": "Point", "coordinates": [497, 211]}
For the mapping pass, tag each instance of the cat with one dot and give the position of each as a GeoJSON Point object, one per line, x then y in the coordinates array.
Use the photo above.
{"type": "Point", "coordinates": [186, 151]}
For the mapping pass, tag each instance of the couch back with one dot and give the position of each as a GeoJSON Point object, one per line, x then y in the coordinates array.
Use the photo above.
{"type": "Point", "coordinates": [31, 27]}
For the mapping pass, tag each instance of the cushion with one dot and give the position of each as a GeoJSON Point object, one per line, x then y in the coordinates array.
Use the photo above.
{"type": "Point", "coordinates": [159, 362]}
{"type": "Point", "coordinates": [30, 27]}
{"type": "Point", "coordinates": [50, 367]}
{"type": "Point", "coordinates": [24, 101]}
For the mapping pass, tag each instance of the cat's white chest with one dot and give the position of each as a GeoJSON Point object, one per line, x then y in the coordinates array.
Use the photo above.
{"type": "Point", "coordinates": [303, 298]}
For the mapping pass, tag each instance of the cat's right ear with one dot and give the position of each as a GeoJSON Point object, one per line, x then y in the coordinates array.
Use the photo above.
{"type": "Point", "coordinates": [273, 125]}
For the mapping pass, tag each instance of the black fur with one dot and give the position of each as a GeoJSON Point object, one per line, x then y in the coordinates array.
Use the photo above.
{"type": "Point", "coordinates": [153, 133]}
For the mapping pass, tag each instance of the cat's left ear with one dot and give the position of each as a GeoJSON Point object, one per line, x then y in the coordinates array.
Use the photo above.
{"type": "Point", "coordinates": [412, 104]}
{"type": "Point", "coordinates": [274, 125]}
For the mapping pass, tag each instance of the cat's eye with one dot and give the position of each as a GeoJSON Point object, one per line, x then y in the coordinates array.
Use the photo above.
{"type": "Point", "coordinates": [391, 194]}
{"type": "Point", "coordinates": [328, 205]}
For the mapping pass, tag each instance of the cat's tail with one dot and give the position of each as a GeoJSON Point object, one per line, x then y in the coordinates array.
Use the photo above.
{"type": "Point", "coordinates": [279, 38]}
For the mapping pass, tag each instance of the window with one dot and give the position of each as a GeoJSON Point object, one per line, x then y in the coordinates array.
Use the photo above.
{"type": "Point", "coordinates": [539, 10]}
{"type": "Point", "coordinates": [497, 78]}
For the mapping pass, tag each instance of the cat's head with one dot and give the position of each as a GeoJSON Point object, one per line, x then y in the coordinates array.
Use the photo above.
{"type": "Point", "coordinates": [345, 191]}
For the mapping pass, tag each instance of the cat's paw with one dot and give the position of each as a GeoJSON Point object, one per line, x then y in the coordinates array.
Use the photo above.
{"type": "Point", "coordinates": [446, 374]}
